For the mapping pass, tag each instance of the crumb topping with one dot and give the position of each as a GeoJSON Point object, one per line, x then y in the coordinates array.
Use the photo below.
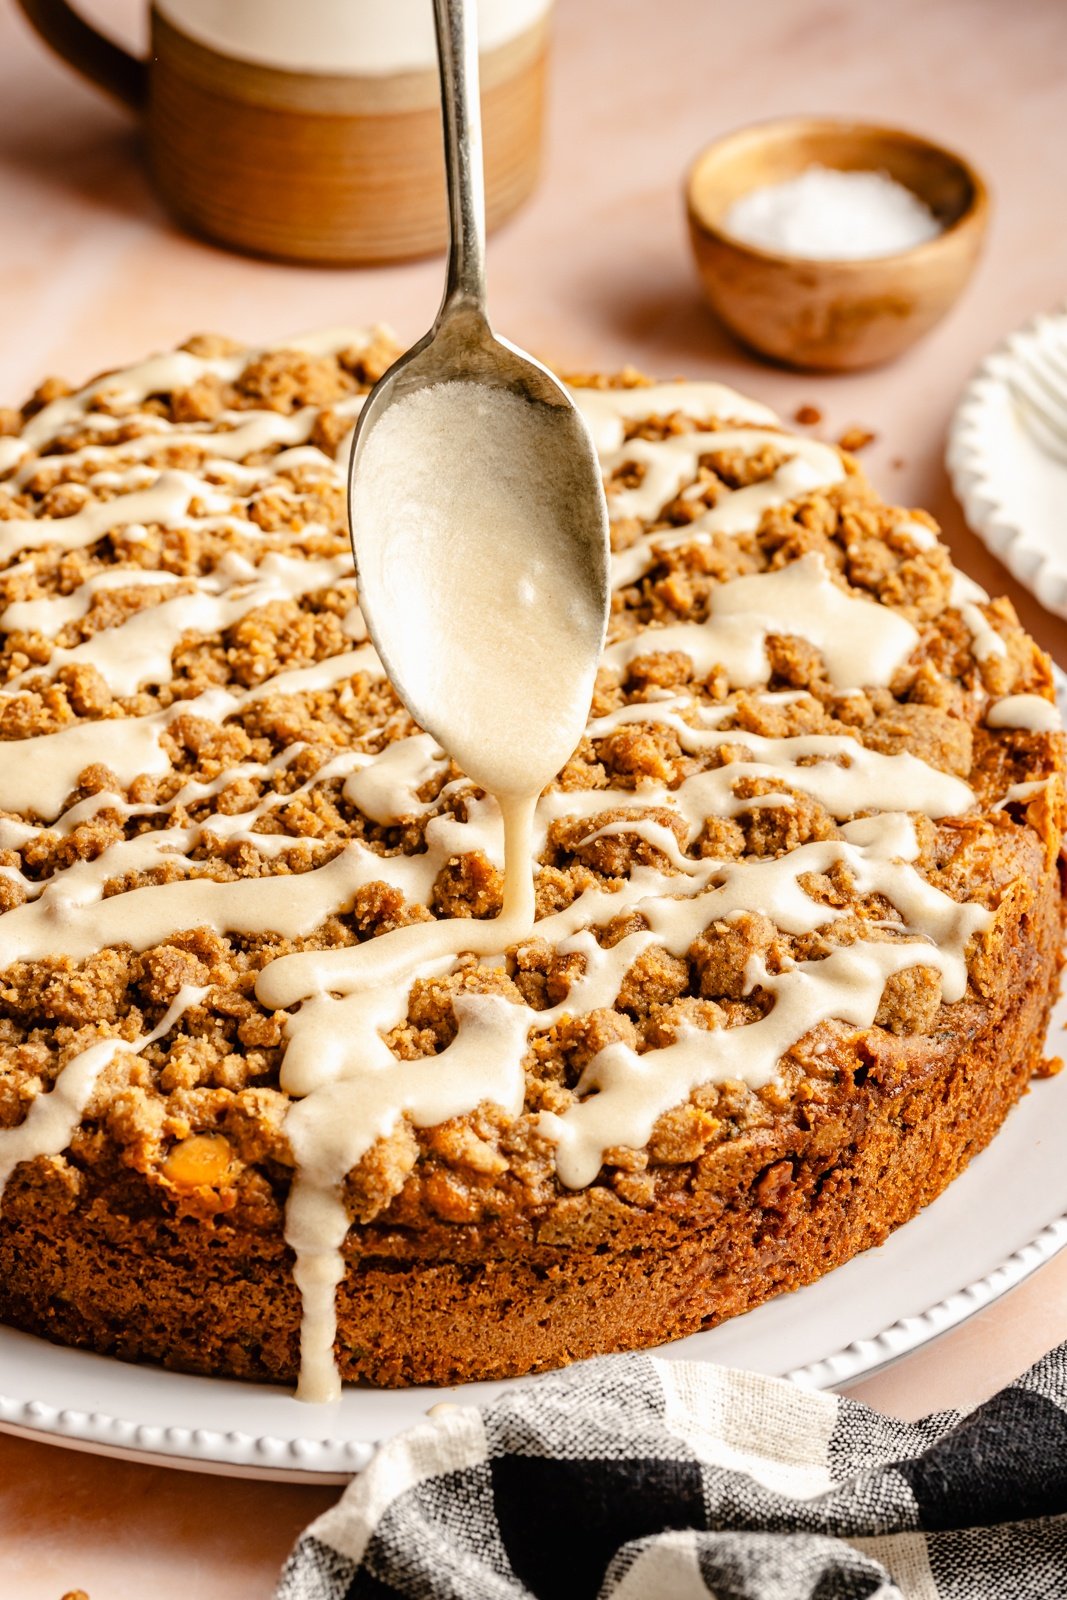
{"type": "Point", "coordinates": [227, 618]}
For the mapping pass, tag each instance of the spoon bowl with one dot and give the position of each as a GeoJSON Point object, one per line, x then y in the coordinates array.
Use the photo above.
{"type": "Point", "coordinates": [477, 511]}
{"type": "Point", "coordinates": [536, 446]}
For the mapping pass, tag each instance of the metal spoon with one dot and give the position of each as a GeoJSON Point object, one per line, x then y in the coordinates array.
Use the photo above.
{"type": "Point", "coordinates": [559, 471]}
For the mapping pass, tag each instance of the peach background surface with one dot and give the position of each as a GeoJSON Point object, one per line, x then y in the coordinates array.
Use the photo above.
{"type": "Point", "coordinates": [593, 273]}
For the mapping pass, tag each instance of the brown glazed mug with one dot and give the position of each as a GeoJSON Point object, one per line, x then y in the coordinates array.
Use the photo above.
{"type": "Point", "coordinates": [309, 130]}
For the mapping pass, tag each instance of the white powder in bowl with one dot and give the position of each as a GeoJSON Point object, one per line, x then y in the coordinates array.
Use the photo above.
{"type": "Point", "coordinates": [832, 216]}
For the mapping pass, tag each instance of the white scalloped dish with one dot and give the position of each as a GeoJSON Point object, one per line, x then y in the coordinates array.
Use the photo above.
{"type": "Point", "coordinates": [1013, 494]}
{"type": "Point", "coordinates": [999, 1221]}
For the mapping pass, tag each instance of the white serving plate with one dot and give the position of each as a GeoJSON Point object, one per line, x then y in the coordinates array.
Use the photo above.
{"type": "Point", "coordinates": [999, 1221]}
{"type": "Point", "coordinates": [1013, 494]}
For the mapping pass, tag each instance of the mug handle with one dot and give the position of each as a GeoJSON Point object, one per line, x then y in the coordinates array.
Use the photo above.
{"type": "Point", "coordinates": [96, 57]}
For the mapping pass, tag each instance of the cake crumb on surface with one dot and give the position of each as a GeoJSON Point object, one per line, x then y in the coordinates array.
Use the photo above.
{"type": "Point", "coordinates": [856, 438]}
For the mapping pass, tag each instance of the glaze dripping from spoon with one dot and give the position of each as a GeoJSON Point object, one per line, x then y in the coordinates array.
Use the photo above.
{"type": "Point", "coordinates": [480, 532]}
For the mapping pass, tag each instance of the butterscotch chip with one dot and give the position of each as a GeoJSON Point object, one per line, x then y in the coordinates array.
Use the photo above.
{"type": "Point", "coordinates": [201, 1161]}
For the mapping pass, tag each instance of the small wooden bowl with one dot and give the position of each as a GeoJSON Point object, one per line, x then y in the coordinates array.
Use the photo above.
{"type": "Point", "coordinates": [832, 315]}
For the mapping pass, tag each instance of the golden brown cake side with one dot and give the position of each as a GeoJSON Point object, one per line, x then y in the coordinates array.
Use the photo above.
{"type": "Point", "coordinates": [156, 1229]}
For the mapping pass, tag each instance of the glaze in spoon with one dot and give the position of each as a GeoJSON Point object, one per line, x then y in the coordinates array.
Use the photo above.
{"type": "Point", "coordinates": [478, 518]}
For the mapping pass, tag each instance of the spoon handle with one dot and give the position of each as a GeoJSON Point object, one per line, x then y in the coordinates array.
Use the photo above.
{"type": "Point", "coordinates": [457, 52]}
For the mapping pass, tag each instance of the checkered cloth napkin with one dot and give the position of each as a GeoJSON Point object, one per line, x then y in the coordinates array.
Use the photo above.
{"type": "Point", "coordinates": [632, 1478]}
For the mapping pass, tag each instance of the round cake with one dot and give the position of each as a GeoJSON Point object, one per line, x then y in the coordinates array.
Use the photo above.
{"type": "Point", "coordinates": [799, 907]}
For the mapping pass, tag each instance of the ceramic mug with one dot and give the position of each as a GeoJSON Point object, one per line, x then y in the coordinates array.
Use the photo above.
{"type": "Point", "coordinates": [310, 129]}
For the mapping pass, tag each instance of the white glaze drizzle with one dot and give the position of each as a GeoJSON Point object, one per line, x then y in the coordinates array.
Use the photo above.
{"type": "Point", "coordinates": [922, 537]}
{"type": "Point", "coordinates": [673, 462]}
{"type": "Point", "coordinates": [50, 1123]}
{"type": "Point", "coordinates": [969, 597]}
{"type": "Point", "coordinates": [348, 1087]}
{"type": "Point", "coordinates": [861, 642]}
{"type": "Point", "coordinates": [138, 651]}
{"type": "Point", "coordinates": [42, 770]}
{"type": "Point", "coordinates": [166, 502]}
{"type": "Point", "coordinates": [607, 411]}
{"type": "Point", "coordinates": [1029, 711]}
{"type": "Point", "coordinates": [1022, 791]}
{"type": "Point", "coordinates": [50, 615]}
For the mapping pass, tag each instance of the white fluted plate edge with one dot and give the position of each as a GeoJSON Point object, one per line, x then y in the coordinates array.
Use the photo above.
{"type": "Point", "coordinates": [1011, 491]}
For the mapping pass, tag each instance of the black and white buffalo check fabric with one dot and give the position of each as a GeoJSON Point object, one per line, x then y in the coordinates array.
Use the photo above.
{"type": "Point", "coordinates": [634, 1478]}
